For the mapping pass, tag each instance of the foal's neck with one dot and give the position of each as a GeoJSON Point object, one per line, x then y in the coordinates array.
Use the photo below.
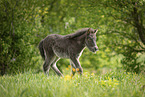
{"type": "Point", "coordinates": [82, 38]}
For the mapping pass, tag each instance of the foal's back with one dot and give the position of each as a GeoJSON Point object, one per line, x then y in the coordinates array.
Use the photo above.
{"type": "Point", "coordinates": [57, 44]}
{"type": "Point", "coordinates": [62, 46]}
{"type": "Point", "coordinates": [55, 38]}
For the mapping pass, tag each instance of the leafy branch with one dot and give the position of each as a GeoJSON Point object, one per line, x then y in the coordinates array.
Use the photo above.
{"type": "Point", "coordinates": [126, 35]}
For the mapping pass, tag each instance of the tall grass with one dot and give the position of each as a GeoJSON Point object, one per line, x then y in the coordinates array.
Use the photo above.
{"type": "Point", "coordinates": [111, 84]}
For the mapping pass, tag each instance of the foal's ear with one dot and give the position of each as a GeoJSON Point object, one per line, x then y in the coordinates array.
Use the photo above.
{"type": "Point", "coordinates": [96, 31]}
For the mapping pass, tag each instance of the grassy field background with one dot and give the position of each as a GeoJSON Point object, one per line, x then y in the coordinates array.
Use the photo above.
{"type": "Point", "coordinates": [111, 84]}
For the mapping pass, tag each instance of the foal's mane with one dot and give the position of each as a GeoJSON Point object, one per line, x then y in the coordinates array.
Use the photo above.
{"type": "Point", "coordinates": [77, 33]}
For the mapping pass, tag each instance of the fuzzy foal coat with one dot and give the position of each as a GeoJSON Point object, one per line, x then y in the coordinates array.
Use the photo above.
{"type": "Point", "coordinates": [55, 46]}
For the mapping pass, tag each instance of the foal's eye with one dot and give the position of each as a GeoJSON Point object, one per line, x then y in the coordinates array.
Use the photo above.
{"type": "Point", "coordinates": [88, 38]}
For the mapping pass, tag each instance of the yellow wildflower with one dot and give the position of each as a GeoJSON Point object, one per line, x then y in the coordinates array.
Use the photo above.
{"type": "Point", "coordinates": [92, 74]}
{"type": "Point", "coordinates": [115, 80]}
{"type": "Point", "coordinates": [67, 77]}
{"type": "Point", "coordinates": [116, 83]}
{"type": "Point", "coordinates": [69, 66]}
{"type": "Point", "coordinates": [73, 69]}
{"type": "Point", "coordinates": [77, 69]}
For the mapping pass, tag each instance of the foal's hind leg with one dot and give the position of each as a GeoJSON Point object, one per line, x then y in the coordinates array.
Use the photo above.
{"type": "Point", "coordinates": [49, 58]}
{"type": "Point", "coordinates": [54, 67]}
{"type": "Point", "coordinates": [45, 67]}
{"type": "Point", "coordinates": [47, 64]}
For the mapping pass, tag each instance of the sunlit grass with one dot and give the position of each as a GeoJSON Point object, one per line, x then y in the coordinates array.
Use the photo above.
{"type": "Point", "coordinates": [112, 84]}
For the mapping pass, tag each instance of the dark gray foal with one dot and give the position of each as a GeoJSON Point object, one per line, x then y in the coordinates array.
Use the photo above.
{"type": "Point", "coordinates": [71, 46]}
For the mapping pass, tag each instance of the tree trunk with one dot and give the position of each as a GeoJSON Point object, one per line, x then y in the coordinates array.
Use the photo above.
{"type": "Point", "coordinates": [138, 23]}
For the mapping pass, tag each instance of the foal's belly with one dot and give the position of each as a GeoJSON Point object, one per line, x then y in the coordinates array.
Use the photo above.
{"type": "Point", "coordinates": [61, 53]}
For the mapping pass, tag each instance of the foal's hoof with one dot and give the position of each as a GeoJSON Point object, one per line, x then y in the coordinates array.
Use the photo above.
{"type": "Point", "coordinates": [79, 70]}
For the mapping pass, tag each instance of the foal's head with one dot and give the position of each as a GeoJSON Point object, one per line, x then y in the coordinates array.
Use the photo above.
{"type": "Point", "coordinates": [90, 40]}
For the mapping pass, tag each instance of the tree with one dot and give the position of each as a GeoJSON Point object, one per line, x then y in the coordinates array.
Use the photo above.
{"type": "Point", "coordinates": [15, 36]}
{"type": "Point", "coordinates": [127, 26]}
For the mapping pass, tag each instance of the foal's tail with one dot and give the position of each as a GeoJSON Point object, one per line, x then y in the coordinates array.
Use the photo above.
{"type": "Point", "coordinates": [41, 49]}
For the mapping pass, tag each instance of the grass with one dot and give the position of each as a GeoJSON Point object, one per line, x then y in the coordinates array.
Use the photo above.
{"type": "Point", "coordinates": [111, 84]}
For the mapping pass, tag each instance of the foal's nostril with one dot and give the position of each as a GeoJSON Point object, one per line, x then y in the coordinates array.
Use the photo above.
{"type": "Point", "coordinates": [95, 49]}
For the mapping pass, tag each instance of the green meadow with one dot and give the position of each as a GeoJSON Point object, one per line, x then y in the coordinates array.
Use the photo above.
{"type": "Point", "coordinates": [110, 84]}
{"type": "Point", "coordinates": [116, 70]}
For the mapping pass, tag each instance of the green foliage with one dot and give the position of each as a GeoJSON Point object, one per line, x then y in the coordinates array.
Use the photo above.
{"type": "Point", "coordinates": [24, 23]}
{"type": "Point", "coordinates": [135, 62]}
{"type": "Point", "coordinates": [126, 31]}
{"type": "Point", "coordinates": [111, 84]}
{"type": "Point", "coordinates": [17, 47]}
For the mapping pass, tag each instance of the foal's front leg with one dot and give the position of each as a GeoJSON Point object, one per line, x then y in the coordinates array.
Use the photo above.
{"type": "Point", "coordinates": [77, 65]}
{"type": "Point", "coordinates": [73, 68]}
